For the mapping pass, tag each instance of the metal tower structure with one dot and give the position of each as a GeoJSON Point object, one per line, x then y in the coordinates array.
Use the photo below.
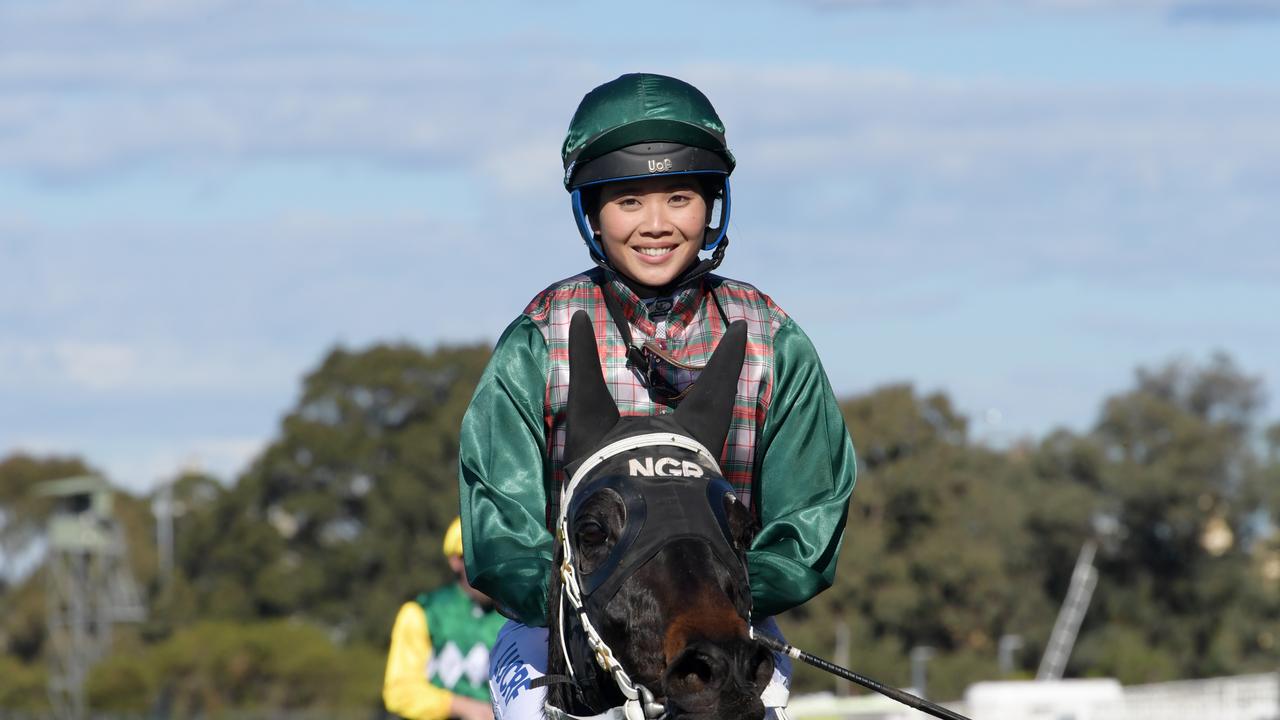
{"type": "Point", "coordinates": [1065, 629]}
{"type": "Point", "coordinates": [89, 586]}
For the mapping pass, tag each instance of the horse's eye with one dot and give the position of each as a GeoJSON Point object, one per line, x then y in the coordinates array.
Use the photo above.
{"type": "Point", "coordinates": [591, 532]}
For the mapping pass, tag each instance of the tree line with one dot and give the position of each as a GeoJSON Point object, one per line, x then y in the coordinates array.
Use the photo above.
{"type": "Point", "coordinates": [285, 582]}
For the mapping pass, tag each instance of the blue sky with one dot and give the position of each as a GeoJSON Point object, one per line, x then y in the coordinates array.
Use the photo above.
{"type": "Point", "coordinates": [1017, 203]}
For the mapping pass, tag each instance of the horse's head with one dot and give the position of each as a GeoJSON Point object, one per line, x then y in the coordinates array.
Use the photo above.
{"type": "Point", "coordinates": [657, 541]}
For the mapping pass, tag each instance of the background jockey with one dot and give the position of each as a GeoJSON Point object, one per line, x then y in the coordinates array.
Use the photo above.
{"type": "Point", "coordinates": [439, 658]}
{"type": "Point", "coordinates": [647, 168]}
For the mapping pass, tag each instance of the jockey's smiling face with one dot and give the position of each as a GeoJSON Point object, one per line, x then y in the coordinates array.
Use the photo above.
{"type": "Point", "coordinates": [652, 229]}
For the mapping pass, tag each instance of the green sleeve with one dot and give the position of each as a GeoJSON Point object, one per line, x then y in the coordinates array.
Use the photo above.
{"type": "Point", "coordinates": [806, 473]}
{"type": "Point", "coordinates": [502, 454]}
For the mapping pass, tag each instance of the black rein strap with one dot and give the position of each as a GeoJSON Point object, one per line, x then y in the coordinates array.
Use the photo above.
{"type": "Point", "coordinates": [546, 680]}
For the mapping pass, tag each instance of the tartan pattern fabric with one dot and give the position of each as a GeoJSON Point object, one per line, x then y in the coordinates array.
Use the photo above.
{"type": "Point", "coordinates": [689, 333]}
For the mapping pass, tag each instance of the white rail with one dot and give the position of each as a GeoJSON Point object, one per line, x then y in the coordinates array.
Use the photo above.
{"type": "Point", "coordinates": [1243, 697]}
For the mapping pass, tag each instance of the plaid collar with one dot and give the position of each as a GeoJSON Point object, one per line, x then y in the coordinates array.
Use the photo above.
{"type": "Point", "coordinates": [684, 306]}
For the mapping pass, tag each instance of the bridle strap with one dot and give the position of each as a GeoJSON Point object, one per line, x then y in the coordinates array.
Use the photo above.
{"type": "Point", "coordinates": [617, 448]}
{"type": "Point", "coordinates": [546, 680]}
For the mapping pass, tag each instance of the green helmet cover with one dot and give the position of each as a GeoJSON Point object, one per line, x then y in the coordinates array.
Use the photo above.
{"type": "Point", "coordinates": [642, 108]}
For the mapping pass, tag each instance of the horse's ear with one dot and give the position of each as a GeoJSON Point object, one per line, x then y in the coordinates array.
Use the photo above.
{"type": "Point", "coordinates": [591, 412]}
{"type": "Point", "coordinates": [706, 411]}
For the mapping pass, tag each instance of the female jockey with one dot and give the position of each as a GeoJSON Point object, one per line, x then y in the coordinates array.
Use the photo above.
{"type": "Point", "coordinates": [647, 168]}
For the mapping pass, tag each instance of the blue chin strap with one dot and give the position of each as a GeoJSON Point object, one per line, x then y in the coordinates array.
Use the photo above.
{"type": "Point", "coordinates": [720, 230]}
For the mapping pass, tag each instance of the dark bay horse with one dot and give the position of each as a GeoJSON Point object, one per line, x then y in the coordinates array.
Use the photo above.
{"type": "Point", "coordinates": [650, 601]}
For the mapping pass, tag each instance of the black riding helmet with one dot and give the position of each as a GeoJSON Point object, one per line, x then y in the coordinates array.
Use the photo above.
{"type": "Point", "coordinates": [641, 125]}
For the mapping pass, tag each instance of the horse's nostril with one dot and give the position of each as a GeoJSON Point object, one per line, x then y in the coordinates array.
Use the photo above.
{"type": "Point", "coordinates": [761, 667]}
{"type": "Point", "coordinates": [693, 672]}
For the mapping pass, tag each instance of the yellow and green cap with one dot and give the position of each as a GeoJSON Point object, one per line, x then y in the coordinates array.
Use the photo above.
{"type": "Point", "coordinates": [453, 539]}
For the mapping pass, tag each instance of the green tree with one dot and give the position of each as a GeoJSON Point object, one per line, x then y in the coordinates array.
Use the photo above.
{"type": "Point", "coordinates": [935, 552]}
{"type": "Point", "coordinates": [297, 568]}
{"type": "Point", "coordinates": [340, 519]}
{"type": "Point", "coordinates": [211, 667]}
{"type": "Point", "coordinates": [22, 686]}
{"type": "Point", "coordinates": [1179, 478]}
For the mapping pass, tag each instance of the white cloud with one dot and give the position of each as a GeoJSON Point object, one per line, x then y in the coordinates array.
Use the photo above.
{"type": "Point", "coordinates": [1064, 175]}
{"type": "Point", "coordinates": [1133, 182]}
{"type": "Point", "coordinates": [202, 94]}
{"type": "Point", "coordinates": [925, 191]}
{"type": "Point", "coordinates": [98, 366]}
{"type": "Point", "coordinates": [138, 465]}
{"type": "Point", "coordinates": [222, 457]}
{"type": "Point", "coordinates": [1093, 181]}
{"type": "Point", "coordinates": [225, 82]}
{"type": "Point", "coordinates": [149, 366]}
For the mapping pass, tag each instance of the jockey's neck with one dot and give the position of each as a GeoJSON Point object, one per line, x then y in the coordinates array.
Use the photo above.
{"type": "Point", "coordinates": [649, 292]}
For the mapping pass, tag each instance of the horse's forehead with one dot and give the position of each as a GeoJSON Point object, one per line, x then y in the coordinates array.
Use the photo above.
{"type": "Point", "coordinates": [657, 461]}
{"type": "Point", "coordinates": [665, 478]}
{"type": "Point", "coordinates": [667, 493]}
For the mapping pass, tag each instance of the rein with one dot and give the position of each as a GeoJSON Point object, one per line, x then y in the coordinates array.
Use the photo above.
{"type": "Point", "coordinates": [893, 693]}
{"type": "Point", "coordinates": [640, 701]}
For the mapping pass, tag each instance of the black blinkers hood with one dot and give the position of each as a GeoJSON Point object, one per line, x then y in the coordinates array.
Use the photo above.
{"type": "Point", "coordinates": [668, 493]}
